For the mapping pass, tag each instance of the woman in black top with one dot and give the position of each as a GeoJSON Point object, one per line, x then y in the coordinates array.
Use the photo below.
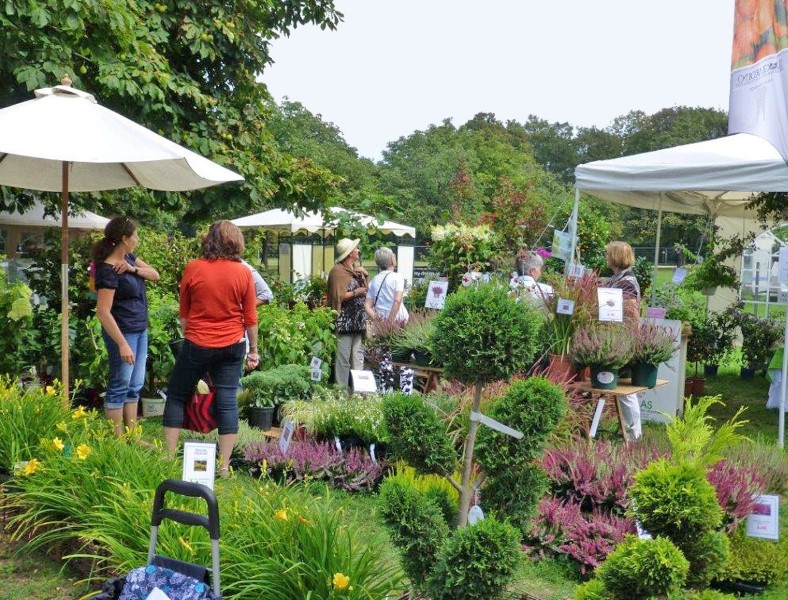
{"type": "Point", "coordinates": [122, 309]}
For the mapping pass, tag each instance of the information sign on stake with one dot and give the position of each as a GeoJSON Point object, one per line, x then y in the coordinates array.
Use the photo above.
{"type": "Point", "coordinates": [436, 294]}
{"type": "Point", "coordinates": [199, 462]}
{"type": "Point", "coordinates": [565, 307]}
{"type": "Point", "coordinates": [764, 522]}
{"type": "Point", "coordinates": [611, 304]}
{"type": "Point", "coordinates": [678, 275]}
{"type": "Point", "coordinates": [287, 434]}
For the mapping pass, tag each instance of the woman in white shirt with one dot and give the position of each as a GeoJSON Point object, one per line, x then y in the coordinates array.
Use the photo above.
{"type": "Point", "coordinates": [384, 302]}
{"type": "Point", "coordinates": [384, 296]}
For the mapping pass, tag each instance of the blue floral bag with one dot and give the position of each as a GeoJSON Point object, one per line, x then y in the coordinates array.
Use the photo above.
{"type": "Point", "coordinates": [141, 582]}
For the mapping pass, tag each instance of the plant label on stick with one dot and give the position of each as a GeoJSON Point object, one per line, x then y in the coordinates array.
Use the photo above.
{"type": "Point", "coordinates": [565, 307]}
{"type": "Point", "coordinates": [363, 381]}
{"type": "Point", "coordinates": [575, 270]}
{"type": "Point", "coordinates": [317, 374]}
{"type": "Point", "coordinates": [764, 522]}
{"type": "Point", "coordinates": [436, 294]}
{"type": "Point", "coordinates": [287, 434]}
{"type": "Point", "coordinates": [611, 305]}
{"type": "Point", "coordinates": [497, 426]}
{"type": "Point", "coordinates": [678, 275]}
{"type": "Point", "coordinates": [199, 462]}
{"type": "Point", "coordinates": [475, 514]}
{"type": "Point", "coordinates": [315, 363]}
{"type": "Point", "coordinates": [600, 406]}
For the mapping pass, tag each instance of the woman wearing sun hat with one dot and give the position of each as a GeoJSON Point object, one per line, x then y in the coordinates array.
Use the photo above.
{"type": "Point", "coordinates": [347, 290]}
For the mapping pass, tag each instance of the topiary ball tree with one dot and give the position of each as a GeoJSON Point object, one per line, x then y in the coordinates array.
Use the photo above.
{"type": "Point", "coordinates": [482, 335]}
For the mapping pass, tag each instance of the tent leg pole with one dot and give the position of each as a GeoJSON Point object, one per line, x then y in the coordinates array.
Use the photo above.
{"type": "Point", "coordinates": [656, 251]}
{"type": "Point", "coordinates": [573, 230]}
{"type": "Point", "coordinates": [64, 345]}
{"type": "Point", "coordinates": [781, 424]}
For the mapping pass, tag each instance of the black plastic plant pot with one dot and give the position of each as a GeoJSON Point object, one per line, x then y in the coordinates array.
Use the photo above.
{"type": "Point", "coordinates": [261, 418]}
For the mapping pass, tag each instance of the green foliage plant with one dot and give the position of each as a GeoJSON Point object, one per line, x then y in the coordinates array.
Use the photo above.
{"type": "Point", "coordinates": [163, 329]}
{"type": "Point", "coordinates": [416, 526]}
{"type": "Point", "coordinates": [477, 562]}
{"type": "Point", "coordinates": [533, 406]}
{"type": "Point", "coordinates": [560, 327]}
{"type": "Point", "coordinates": [27, 415]}
{"type": "Point", "coordinates": [754, 560]}
{"type": "Point", "coordinates": [90, 356]}
{"type": "Point", "coordinates": [16, 318]}
{"type": "Point", "coordinates": [278, 385]}
{"type": "Point", "coordinates": [457, 249]}
{"type": "Point", "coordinates": [417, 435]}
{"type": "Point", "coordinates": [593, 589]}
{"type": "Point", "coordinates": [293, 336]}
{"type": "Point", "coordinates": [639, 569]}
{"type": "Point", "coordinates": [483, 335]}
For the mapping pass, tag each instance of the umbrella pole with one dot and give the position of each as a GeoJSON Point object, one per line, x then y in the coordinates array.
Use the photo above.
{"type": "Point", "coordinates": [64, 345]}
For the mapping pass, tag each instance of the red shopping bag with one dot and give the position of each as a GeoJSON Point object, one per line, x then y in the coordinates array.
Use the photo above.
{"type": "Point", "coordinates": [199, 413]}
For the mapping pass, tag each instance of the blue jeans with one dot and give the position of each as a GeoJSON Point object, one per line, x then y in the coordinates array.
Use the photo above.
{"type": "Point", "coordinates": [223, 366]}
{"type": "Point", "coordinates": [125, 380]}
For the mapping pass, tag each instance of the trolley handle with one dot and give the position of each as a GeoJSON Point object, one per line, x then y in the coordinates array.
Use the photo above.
{"type": "Point", "coordinates": [192, 490]}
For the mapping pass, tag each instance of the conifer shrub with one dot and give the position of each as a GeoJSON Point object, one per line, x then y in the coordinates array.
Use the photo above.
{"type": "Point", "coordinates": [709, 554]}
{"type": "Point", "coordinates": [416, 527]}
{"type": "Point", "coordinates": [417, 435]}
{"type": "Point", "coordinates": [478, 561]}
{"type": "Point", "coordinates": [639, 569]}
{"type": "Point", "coordinates": [592, 590]}
{"type": "Point", "coordinates": [756, 561]}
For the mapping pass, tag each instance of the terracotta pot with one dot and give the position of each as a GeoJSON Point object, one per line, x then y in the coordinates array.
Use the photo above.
{"type": "Point", "coordinates": [561, 369]}
{"type": "Point", "coordinates": [698, 385]}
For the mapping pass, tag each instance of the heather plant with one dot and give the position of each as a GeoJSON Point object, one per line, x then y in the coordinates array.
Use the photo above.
{"type": "Point", "coordinates": [770, 460]}
{"type": "Point", "coordinates": [476, 562]}
{"type": "Point", "coordinates": [595, 474]}
{"type": "Point", "coordinates": [606, 345]}
{"type": "Point", "coordinates": [652, 344]}
{"type": "Point", "coordinates": [352, 471]}
{"type": "Point", "coordinates": [416, 526]}
{"type": "Point", "coordinates": [639, 569]}
{"type": "Point", "coordinates": [562, 528]}
{"type": "Point", "coordinates": [736, 487]}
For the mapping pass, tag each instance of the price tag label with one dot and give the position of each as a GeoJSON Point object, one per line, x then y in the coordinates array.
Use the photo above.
{"type": "Point", "coordinates": [678, 275]}
{"type": "Point", "coordinates": [315, 363]}
{"type": "Point", "coordinates": [317, 375]}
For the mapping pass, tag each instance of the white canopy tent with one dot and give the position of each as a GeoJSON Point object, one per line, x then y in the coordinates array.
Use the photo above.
{"type": "Point", "coordinates": [305, 259]}
{"type": "Point", "coordinates": [715, 178]}
{"type": "Point", "coordinates": [17, 229]}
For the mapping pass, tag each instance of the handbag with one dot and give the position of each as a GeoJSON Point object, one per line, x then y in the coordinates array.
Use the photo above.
{"type": "Point", "coordinates": [199, 413]}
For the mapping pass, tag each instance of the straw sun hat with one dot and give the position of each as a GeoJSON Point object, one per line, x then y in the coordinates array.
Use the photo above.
{"type": "Point", "coordinates": [344, 247]}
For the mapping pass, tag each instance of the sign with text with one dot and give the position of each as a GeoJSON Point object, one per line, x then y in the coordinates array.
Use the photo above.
{"type": "Point", "coordinates": [764, 522]}
{"type": "Point", "coordinates": [287, 434]}
{"type": "Point", "coordinates": [565, 307]}
{"type": "Point", "coordinates": [363, 381]}
{"type": "Point", "coordinates": [562, 245]}
{"type": "Point", "coordinates": [611, 304]}
{"type": "Point", "coordinates": [199, 462]}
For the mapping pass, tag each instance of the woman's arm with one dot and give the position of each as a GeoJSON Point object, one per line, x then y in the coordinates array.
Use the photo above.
{"type": "Point", "coordinates": [105, 297]}
{"type": "Point", "coordinates": [147, 272]}
{"type": "Point", "coordinates": [370, 309]}
{"type": "Point", "coordinates": [395, 307]}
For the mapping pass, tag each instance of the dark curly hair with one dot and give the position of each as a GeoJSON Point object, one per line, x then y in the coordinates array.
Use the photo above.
{"type": "Point", "coordinates": [116, 229]}
{"type": "Point", "coordinates": [223, 240]}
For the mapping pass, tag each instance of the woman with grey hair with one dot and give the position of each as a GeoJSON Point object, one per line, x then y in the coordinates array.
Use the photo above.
{"type": "Point", "coordinates": [384, 303]}
{"type": "Point", "coordinates": [384, 296]}
{"type": "Point", "coordinates": [529, 270]}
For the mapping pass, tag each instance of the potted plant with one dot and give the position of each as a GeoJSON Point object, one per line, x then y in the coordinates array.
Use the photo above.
{"type": "Point", "coordinates": [700, 346]}
{"type": "Point", "coordinates": [722, 331]}
{"type": "Point", "coordinates": [410, 343]}
{"type": "Point", "coordinates": [652, 344]}
{"type": "Point", "coordinates": [710, 271]}
{"type": "Point", "coordinates": [759, 340]}
{"type": "Point", "coordinates": [560, 326]}
{"type": "Point", "coordinates": [603, 347]}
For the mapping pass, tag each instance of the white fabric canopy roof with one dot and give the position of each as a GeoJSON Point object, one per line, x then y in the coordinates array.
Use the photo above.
{"type": "Point", "coordinates": [313, 222]}
{"type": "Point", "coordinates": [35, 217]}
{"type": "Point", "coordinates": [716, 177]}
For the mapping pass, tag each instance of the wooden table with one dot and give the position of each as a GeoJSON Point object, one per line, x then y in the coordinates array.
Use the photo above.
{"type": "Point", "coordinates": [624, 388]}
{"type": "Point", "coordinates": [432, 375]}
{"type": "Point", "coordinates": [274, 433]}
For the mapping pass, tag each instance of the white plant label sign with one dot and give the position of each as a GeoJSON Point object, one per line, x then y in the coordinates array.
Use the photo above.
{"type": "Point", "coordinates": [764, 522]}
{"type": "Point", "coordinates": [315, 363]}
{"type": "Point", "coordinates": [565, 307]}
{"type": "Point", "coordinates": [475, 514]}
{"type": "Point", "coordinates": [199, 462]}
{"type": "Point", "coordinates": [678, 275]}
{"type": "Point", "coordinates": [363, 381]}
{"type": "Point", "coordinates": [287, 434]}
{"type": "Point", "coordinates": [611, 305]}
{"type": "Point", "coordinates": [436, 294]}
{"type": "Point", "coordinates": [316, 374]}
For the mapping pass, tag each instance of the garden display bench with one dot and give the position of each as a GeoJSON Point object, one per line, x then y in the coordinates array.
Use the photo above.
{"type": "Point", "coordinates": [610, 396]}
{"type": "Point", "coordinates": [431, 375]}
{"type": "Point", "coordinates": [273, 433]}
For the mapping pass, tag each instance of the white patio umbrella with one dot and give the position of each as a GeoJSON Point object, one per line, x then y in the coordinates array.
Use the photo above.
{"type": "Point", "coordinates": [64, 141]}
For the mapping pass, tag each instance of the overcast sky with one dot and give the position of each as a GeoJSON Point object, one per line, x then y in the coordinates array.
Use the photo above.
{"type": "Point", "coordinates": [397, 66]}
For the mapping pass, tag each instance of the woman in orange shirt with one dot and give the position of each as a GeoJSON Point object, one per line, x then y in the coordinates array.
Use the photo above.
{"type": "Point", "coordinates": [217, 310]}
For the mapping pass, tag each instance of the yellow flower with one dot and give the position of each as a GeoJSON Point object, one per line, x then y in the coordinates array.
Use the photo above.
{"type": "Point", "coordinates": [186, 544]}
{"type": "Point", "coordinates": [50, 390]}
{"type": "Point", "coordinates": [83, 451]}
{"type": "Point", "coordinates": [79, 413]}
{"type": "Point", "coordinates": [57, 444]}
{"type": "Point", "coordinates": [281, 514]}
{"type": "Point", "coordinates": [341, 581]}
{"type": "Point", "coordinates": [31, 467]}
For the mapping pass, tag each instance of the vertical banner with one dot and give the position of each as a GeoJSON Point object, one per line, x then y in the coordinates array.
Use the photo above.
{"type": "Point", "coordinates": [759, 83]}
